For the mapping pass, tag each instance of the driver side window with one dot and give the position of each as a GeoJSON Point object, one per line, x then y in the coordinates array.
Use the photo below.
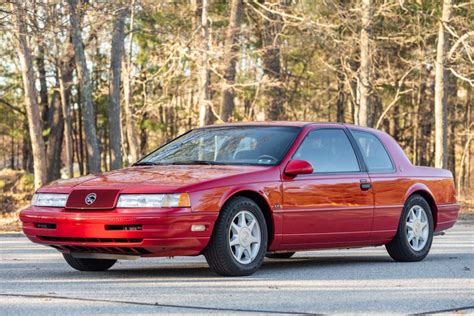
{"type": "Point", "coordinates": [328, 150]}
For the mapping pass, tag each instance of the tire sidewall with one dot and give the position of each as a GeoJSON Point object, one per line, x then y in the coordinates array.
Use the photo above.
{"type": "Point", "coordinates": [412, 201]}
{"type": "Point", "coordinates": [230, 213]}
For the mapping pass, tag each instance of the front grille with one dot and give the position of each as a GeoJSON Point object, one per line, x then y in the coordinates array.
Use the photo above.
{"type": "Point", "coordinates": [136, 251]}
{"type": "Point", "coordinates": [96, 240]}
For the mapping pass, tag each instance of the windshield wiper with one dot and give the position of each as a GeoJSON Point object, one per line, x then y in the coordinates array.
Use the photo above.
{"type": "Point", "coordinates": [145, 163]}
{"type": "Point", "coordinates": [196, 162]}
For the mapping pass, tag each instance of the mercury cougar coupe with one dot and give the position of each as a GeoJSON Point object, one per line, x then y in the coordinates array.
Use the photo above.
{"type": "Point", "coordinates": [239, 192]}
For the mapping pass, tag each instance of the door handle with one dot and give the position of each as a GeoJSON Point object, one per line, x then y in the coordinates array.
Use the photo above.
{"type": "Point", "coordinates": [365, 185]}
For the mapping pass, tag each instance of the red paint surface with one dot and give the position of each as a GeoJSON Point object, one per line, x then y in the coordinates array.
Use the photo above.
{"type": "Point", "coordinates": [307, 211]}
{"type": "Point", "coordinates": [298, 167]}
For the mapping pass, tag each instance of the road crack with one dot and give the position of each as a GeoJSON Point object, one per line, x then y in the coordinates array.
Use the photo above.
{"type": "Point", "coordinates": [193, 307]}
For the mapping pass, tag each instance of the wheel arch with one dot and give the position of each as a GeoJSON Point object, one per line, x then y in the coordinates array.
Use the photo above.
{"type": "Point", "coordinates": [425, 192]}
{"type": "Point", "coordinates": [264, 205]}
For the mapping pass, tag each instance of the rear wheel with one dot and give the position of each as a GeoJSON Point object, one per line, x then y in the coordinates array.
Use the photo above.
{"type": "Point", "coordinates": [239, 241]}
{"type": "Point", "coordinates": [280, 255]}
{"type": "Point", "coordinates": [82, 264]}
{"type": "Point", "coordinates": [415, 231]}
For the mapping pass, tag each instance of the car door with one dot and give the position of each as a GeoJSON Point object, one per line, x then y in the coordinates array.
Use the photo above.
{"type": "Point", "coordinates": [389, 187]}
{"type": "Point", "coordinates": [334, 205]}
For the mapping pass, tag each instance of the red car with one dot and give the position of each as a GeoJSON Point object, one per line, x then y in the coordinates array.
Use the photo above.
{"type": "Point", "coordinates": [239, 192]}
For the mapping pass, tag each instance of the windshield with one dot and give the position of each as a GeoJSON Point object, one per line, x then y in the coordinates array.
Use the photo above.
{"type": "Point", "coordinates": [250, 145]}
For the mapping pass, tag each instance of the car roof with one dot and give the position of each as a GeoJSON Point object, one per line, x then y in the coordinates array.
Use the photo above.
{"type": "Point", "coordinates": [273, 123]}
{"type": "Point", "coordinates": [293, 123]}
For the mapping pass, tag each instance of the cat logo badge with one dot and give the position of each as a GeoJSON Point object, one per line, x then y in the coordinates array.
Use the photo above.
{"type": "Point", "coordinates": [90, 198]}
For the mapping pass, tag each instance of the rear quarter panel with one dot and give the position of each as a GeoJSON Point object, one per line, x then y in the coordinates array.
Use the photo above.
{"type": "Point", "coordinates": [391, 191]}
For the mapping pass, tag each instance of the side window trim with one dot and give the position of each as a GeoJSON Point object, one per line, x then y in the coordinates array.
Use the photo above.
{"type": "Point", "coordinates": [355, 148]}
{"type": "Point", "coordinates": [394, 170]}
{"type": "Point", "coordinates": [357, 151]}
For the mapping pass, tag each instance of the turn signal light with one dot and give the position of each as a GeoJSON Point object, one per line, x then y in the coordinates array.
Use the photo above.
{"type": "Point", "coordinates": [184, 200]}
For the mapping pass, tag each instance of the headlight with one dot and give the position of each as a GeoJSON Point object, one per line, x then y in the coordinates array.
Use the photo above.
{"type": "Point", "coordinates": [154, 200]}
{"type": "Point", "coordinates": [49, 199]}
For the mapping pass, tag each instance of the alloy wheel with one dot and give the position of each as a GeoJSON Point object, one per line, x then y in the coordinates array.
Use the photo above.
{"type": "Point", "coordinates": [417, 228]}
{"type": "Point", "coordinates": [244, 237]}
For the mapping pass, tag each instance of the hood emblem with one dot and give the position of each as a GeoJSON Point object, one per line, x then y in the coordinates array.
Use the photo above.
{"type": "Point", "coordinates": [90, 198]}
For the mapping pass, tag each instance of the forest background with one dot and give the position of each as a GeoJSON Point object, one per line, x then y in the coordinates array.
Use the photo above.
{"type": "Point", "coordinates": [89, 86]}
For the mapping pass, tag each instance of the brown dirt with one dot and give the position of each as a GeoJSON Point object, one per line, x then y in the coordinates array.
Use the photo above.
{"type": "Point", "coordinates": [16, 188]}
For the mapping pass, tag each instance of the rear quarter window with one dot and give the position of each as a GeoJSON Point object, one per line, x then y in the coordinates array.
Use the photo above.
{"type": "Point", "coordinates": [375, 154]}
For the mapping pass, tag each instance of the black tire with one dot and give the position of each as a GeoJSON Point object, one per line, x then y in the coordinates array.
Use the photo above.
{"type": "Point", "coordinates": [280, 255]}
{"type": "Point", "coordinates": [82, 264]}
{"type": "Point", "coordinates": [218, 253]}
{"type": "Point", "coordinates": [399, 248]}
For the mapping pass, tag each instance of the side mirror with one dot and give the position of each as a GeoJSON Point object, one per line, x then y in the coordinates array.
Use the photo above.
{"type": "Point", "coordinates": [296, 167]}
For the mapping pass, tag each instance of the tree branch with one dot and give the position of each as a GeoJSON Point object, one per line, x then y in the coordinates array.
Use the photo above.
{"type": "Point", "coordinates": [12, 107]}
{"type": "Point", "coordinates": [469, 81]}
{"type": "Point", "coordinates": [397, 96]}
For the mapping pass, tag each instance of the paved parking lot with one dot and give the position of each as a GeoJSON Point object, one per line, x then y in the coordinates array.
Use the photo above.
{"type": "Point", "coordinates": [35, 280]}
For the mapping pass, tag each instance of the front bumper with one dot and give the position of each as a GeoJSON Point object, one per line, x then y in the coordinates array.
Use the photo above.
{"type": "Point", "coordinates": [163, 232]}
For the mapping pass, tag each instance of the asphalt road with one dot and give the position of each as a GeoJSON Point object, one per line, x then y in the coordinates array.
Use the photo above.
{"type": "Point", "coordinates": [36, 280]}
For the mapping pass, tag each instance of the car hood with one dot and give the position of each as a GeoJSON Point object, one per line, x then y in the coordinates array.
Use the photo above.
{"type": "Point", "coordinates": [164, 178]}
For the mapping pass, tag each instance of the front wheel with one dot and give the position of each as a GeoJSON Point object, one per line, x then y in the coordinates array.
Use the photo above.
{"type": "Point", "coordinates": [239, 241]}
{"type": "Point", "coordinates": [82, 264]}
{"type": "Point", "coordinates": [415, 231]}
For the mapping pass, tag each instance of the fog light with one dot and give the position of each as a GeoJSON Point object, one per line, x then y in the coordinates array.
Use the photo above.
{"type": "Point", "coordinates": [198, 228]}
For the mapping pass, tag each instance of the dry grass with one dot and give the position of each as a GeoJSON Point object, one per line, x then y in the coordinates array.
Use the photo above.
{"type": "Point", "coordinates": [16, 188]}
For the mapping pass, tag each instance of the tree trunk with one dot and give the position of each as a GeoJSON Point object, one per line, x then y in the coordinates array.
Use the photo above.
{"type": "Point", "coordinates": [230, 59]}
{"type": "Point", "coordinates": [31, 99]}
{"type": "Point", "coordinates": [117, 48]}
{"type": "Point", "coordinates": [441, 93]}
{"type": "Point", "coordinates": [341, 97]}
{"type": "Point", "coordinates": [364, 69]}
{"type": "Point", "coordinates": [27, 162]}
{"type": "Point", "coordinates": [12, 153]}
{"type": "Point", "coordinates": [93, 151]}
{"type": "Point", "coordinates": [55, 139]}
{"type": "Point", "coordinates": [43, 93]}
{"type": "Point", "coordinates": [65, 70]}
{"type": "Point", "coordinates": [130, 123]}
{"type": "Point", "coordinates": [205, 115]}
{"type": "Point", "coordinates": [272, 67]}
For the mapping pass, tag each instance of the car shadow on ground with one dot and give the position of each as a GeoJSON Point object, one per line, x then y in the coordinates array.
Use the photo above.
{"type": "Point", "coordinates": [301, 268]}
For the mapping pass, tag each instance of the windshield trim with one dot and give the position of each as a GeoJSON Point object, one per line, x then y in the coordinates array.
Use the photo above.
{"type": "Point", "coordinates": [285, 153]}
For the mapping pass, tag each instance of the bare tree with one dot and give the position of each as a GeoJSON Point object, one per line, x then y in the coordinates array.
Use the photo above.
{"type": "Point", "coordinates": [117, 49]}
{"type": "Point", "coordinates": [230, 59]}
{"type": "Point", "coordinates": [441, 93]}
{"type": "Point", "coordinates": [201, 6]}
{"type": "Point", "coordinates": [93, 150]}
{"type": "Point", "coordinates": [341, 96]}
{"type": "Point", "coordinates": [364, 69]}
{"type": "Point", "coordinates": [275, 93]}
{"type": "Point", "coordinates": [131, 130]}
{"type": "Point", "coordinates": [55, 138]}
{"type": "Point", "coordinates": [31, 98]}
{"type": "Point", "coordinates": [65, 75]}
